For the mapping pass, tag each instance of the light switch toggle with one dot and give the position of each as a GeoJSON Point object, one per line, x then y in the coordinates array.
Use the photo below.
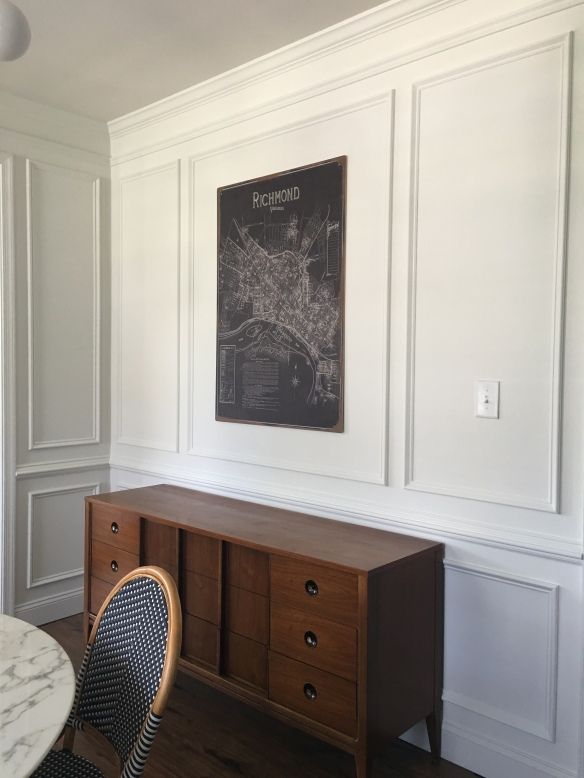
{"type": "Point", "coordinates": [487, 399]}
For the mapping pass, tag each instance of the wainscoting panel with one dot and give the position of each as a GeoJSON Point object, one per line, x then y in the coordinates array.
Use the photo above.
{"type": "Point", "coordinates": [501, 660]}
{"type": "Point", "coordinates": [55, 534]}
{"type": "Point", "coordinates": [148, 278]}
{"type": "Point", "coordinates": [63, 257]}
{"type": "Point", "coordinates": [487, 265]}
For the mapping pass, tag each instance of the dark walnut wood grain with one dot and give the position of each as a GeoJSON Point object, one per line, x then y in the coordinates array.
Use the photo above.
{"type": "Point", "coordinates": [332, 628]}
{"type": "Point", "coordinates": [116, 527]}
{"type": "Point", "coordinates": [315, 589]}
{"type": "Point", "coordinates": [110, 563]}
{"type": "Point", "coordinates": [246, 660]}
{"type": "Point", "coordinates": [247, 614]}
{"type": "Point", "coordinates": [314, 641]}
{"type": "Point", "coordinates": [316, 694]}
{"type": "Point", "coordinates": [200, 596]}
{"type": "Point", "coordinates": [202, 554]}
{"type": "Point", "coordinates": [248, 569]}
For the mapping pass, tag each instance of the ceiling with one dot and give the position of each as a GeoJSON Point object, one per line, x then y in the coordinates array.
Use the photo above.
{"type": "Point", "coordinates": [105, 58]}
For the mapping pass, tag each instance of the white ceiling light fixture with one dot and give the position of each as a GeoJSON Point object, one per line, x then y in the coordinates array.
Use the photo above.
{"type": "Point", "coordinates": [14, 32]}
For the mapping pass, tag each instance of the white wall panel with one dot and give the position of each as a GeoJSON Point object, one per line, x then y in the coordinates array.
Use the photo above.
{"type": "Point", "coordinates": [55, 533]}
{"type": "Point", "coordinates": [364, 134]}
{"type": "Point", "coordinates": [148, 392]}
{"type": "Point", "coordinates": [502, 636]}
{"type": "Point", "coordinates": [63, 228]}
{"type": "Point", "coordinates": [487, 263]}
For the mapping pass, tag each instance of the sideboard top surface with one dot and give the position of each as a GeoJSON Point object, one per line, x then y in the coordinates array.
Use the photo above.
{"type": "Point", "coordinates": [355, 547]}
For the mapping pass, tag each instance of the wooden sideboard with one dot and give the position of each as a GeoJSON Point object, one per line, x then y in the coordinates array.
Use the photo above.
{"type": "Point", "coordinates": [334, 628]}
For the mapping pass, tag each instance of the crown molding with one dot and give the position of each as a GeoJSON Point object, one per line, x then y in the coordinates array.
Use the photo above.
{"type": "Point", "coordinates": [291, 59]}
{"type": "Point", "coordinates": [383, 18]}
{"type": "Point", "coordinates": [43, 123]}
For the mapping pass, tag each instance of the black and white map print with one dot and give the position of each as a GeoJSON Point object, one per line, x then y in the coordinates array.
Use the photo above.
{"type": "Point", "coordinates": [280, 299]}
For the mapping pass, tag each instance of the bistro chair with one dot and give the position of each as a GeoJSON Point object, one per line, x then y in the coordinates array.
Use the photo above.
{"type": "Point", "coordinates": [126, 675]}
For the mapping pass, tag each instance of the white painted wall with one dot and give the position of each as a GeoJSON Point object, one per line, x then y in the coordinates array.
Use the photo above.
{"type": "Point", "coordinates": [55, 350]}
{"type": "Point", "coordinates": [462, 123]}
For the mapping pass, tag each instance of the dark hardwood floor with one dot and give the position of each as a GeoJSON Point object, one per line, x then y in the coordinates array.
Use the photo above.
{"type": "Point", "coordinates": [205, 734]}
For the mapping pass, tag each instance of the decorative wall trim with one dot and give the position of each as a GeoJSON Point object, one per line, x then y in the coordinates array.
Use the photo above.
{"type": "Point", "coordinates": [60, 466]}
{"type": "Point", "coordinates": [53, 128]}
{"type": "Point", "coordinates": [51, 608]}
{"type": "Point", "coordinates": [125, 439]}
{"type": "Point", "coordinates": [341, 37]}
{"type": "Point", "coordinates": [94, 438]}
{"type": "Point", "coordinates": [31, 581]}
{"type": "Point", "coordinates": [414, 522]}
{"type": "Point", "coordinates": [517, 755]}
{"type": "Point", "coordinates": [379, 476]}
{"type": "Point", "coordinates": [551, 592]}
{"type": "Point", "coordinates": [551, 503]}
{"type": "Point", "coordinates": [7, 386]}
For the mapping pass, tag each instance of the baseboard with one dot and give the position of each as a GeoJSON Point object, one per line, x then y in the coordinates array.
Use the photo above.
{"type": "Point", "coordinates": [47, 609]}
{"type": "Point", "coordinates": [491, 759]}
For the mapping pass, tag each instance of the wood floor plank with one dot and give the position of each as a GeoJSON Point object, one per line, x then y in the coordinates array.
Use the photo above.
{"type": "Point", "coordinates": [205, 734]}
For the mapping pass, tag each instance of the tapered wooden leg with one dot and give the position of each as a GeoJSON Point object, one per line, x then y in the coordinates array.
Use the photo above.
{"type": "Point", "coordinates": [363, 765]}
{"type": "Point", "coordinates": [434, 726]}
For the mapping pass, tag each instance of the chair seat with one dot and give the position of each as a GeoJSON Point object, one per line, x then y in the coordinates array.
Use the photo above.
{"type": "Point", "coordinates": [65, 764]}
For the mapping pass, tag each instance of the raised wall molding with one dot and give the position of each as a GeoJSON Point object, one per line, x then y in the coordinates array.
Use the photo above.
{"type": "Point", "coordinates": [57, 467]}
{"type": "Point", "coordinates": [7, 385]}
{"type": "Point", "coordinates": [379, 476]}
{"type": "Point", "coordinates": [551, 504]}
{"type": "Point", "coordinates": [296, 56]}
{"type": "Point", "coordinates": [530, 763]}
{"type": "Point", "coordinates": [122, 438]}
{"type": "Point", "coordinates": [51, 608]}
{"type": "Point", "coordinates": [94, 437]}
{"type": "Point", "coordinates": [414, 522]}
{"type": "Point", "coordinates": [547, 729]}
{"type": "Point", "coordinates": [33, 496]}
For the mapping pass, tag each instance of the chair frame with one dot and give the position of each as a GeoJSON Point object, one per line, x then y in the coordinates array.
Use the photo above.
{"type": "Point", "coordinates": [173, 647]}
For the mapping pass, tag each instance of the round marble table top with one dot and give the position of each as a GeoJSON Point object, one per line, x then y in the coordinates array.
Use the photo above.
{"type": "Point", "coordinates": [37, 686]}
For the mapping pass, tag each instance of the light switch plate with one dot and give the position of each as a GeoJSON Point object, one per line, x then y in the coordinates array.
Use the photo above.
{"type": "Point", "coordinates": [487, 399]}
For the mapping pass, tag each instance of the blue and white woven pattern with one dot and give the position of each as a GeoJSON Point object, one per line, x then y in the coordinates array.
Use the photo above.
{"type": "Point", "coordinates": [64, 764]}
{"type": "Point", "coordinates": [125, 664]}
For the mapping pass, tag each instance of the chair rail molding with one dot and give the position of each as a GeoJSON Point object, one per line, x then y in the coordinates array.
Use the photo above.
{"type": "Point", "coordinates": [414, 522]}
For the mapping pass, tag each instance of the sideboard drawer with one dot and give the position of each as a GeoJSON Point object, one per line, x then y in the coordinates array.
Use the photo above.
{"type": "Point", "coordinates": [315, 589]}
{"type": "Point", "coordinates": [201, 596]}
{"type": "Point", "coordinates": [110, 563]}
{"type": "Point", "coordinates": [202, 554]}
{"type": "Point", "coordinates": [318, 695]}
{"type": "Point", "coordinates": [314, 641]}
{"type": "Point", "coordinates": [115, 527]}
{"type": "Point", "coordinates": [200, 641]}
{"type": "Point", "coordinates": [247, 614]}
{"type": "Point", "coordinates": [98, 591]}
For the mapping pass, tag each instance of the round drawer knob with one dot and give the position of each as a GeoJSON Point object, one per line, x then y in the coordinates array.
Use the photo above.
{"type": "Point", "coordinates": [115, 528]}
{"type": "Point", "coordinates": [311, 588]}
{"type": "Point", "coordinates": [114, 566]}
{"type": "Point", "coordinates": [310, 692]}
{"type": "Point", "coordinates": [310, 639]}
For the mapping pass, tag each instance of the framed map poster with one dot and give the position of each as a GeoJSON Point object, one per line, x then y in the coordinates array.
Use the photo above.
{"type": "Point", "coordinates": [280, 298]}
